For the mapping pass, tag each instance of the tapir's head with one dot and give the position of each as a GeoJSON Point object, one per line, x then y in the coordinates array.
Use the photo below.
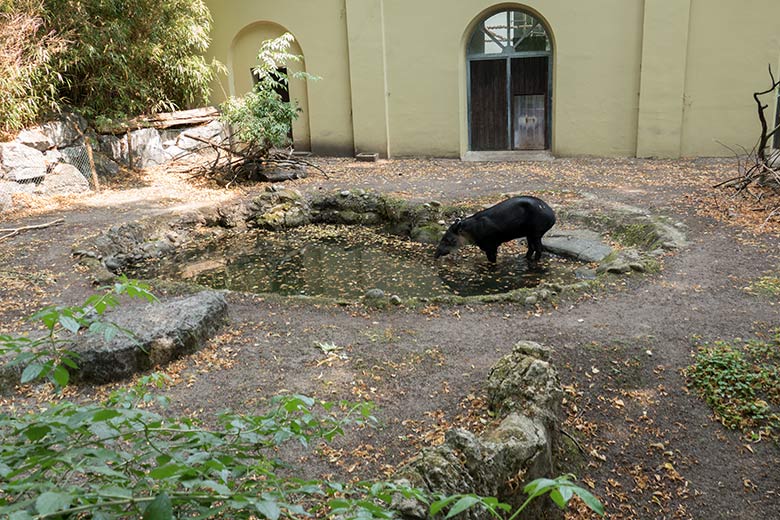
{"type": "Point", "coordinates": [452, 240]}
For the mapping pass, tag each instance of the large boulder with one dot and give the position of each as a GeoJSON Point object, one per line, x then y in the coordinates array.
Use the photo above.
{"type": "Point", "coordinates": [162, 332]}
{"type": "Point", "coordinates": [279, 208]}
{"type": "Point", "coordinates": [581, 244]}
{"type": "Point", "coordinates": [35, 138]}
{"type": "Point", "coordinates": [10, 188]}
{"type": "Point", "coordinates": [523, 387]}
{"type": "Point", "coordinates": [64, 179]}
{"type": "Point", "coordinates": [19, 162]}
{"type": "Point", "coordinates": [113, 147]}
{"type": "Point", "coordinates": [68, 131]}
{"type": "Point", "coordinates": [105, 167]}
{"type": "Point", "coordinates": [146, 148]}
{"type": "Point", "coordinates": [213, 131]}
{"type": "Point", "coordinates": [525, 382]}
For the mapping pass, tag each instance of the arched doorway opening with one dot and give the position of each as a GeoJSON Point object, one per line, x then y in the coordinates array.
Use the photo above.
{"type": "Point", "coordinates": [242, 58]}
{"type": "Point", "coordinates": [509, 74]}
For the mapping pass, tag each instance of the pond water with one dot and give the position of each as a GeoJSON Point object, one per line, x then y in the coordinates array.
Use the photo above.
{"type": "Point", "coordinates": [346, 261]}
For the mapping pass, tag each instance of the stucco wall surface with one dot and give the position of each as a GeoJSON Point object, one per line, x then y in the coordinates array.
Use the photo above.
{"type": "Point", "coordinates": [630, 77]}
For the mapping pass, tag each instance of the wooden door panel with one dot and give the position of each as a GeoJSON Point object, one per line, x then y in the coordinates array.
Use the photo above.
{"type": "Point", "coordinates": [488, 118]}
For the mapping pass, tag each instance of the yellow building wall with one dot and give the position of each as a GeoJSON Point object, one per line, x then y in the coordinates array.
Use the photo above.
{"type": "Point", "coordinates": [730, 46]}
{"type": "Point", "coordinates": [320, 30]}
{"type": "Point", "coordinates": [595, 74]}
{"type": "Point", "coordinates": [662, 83]}
{"type": "Point", "coordinates": [630, 77]}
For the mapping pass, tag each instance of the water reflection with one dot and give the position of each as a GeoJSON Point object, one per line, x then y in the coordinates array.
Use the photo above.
{"type": "Point", "coordinates": [344, 262]}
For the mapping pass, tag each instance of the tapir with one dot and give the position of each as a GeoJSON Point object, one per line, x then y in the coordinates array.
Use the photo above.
{"type": "Point", "coordinates": [513, 218]}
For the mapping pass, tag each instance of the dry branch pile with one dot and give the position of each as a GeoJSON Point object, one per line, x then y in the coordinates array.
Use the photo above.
{"type": "Point", "coordinates": [235, 162]}
{"type": "Point", "coordinates": [758, 170]}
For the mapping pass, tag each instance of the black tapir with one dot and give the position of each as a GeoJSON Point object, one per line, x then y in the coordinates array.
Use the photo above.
{"type": "Point", "coordinates": [513, 218]}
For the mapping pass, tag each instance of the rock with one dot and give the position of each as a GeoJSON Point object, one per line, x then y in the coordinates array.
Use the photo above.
{"type": "Point", "coordinates": [620, 262]}
{"type": "Point", "coordinates": [130, 242]}
{"type": "Point", "coordinates": [531, 300]}
{"type": "Point", "coordinates": [174, 152]}
{"type": "Point", "coordinates": [105, 167]}
{"type": "Point", "coordinates": [344, 193]}
{"type": "Point", "coordinates": [581, 244]}
{"type": "Point", "coordinates": [146, 148]}
{"type": "Point", "coordinates": [279, 208]}
{"type": "Point", "coordinates": [374, 294]}
{"type": "Point", "coordinates": [68, 131]}
{"type": "Point", "coordinates": [214, 131]}
{"type": "Point", "coordinates": [279, 174]}
{"type": "Point", "coordinates": [637, 266]}
{"type": "Point", "coordinates": [10, 188]}
{"type": "Point", "coordinates": [427, 234]}
{"type": "Point", "coordinates": [113, 147]}
{"type": "Point", "coordinates": [525, 382]}
{"type": "Point", "coordinates": [35, 138]}
{"type": "Point", "coordinates": [232, 215]}
{"type": "Point", "coordinates": [20, 163]}
{"type": "Point", "coordinates": [395, 299]}
{"type": "Point", "coordinates": [52, 157]}
{"type": "Point", "coordinates": [519, 450]}
{"type": "Point", "coordinates": [584, 273]}
{"type": "Point", "coordinates": [296, 216]}
{"type": "Point", "coordinates": [164, 332]}
{"type": "Point", "coordinates": [64, 179]}
{"type": "Point", "coordinates": [96, 272]}
{"type": "Point", "coordinates": [617, 267]}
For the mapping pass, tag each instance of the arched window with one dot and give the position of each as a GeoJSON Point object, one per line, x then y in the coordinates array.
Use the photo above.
{"type": "Point", "coordinates": [510, 87]}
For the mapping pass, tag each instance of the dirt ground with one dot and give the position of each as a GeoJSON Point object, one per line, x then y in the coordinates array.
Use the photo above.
{"type": "Point", "coordinates": [652, 448]}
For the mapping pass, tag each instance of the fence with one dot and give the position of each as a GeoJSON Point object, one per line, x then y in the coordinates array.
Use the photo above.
{"type": "Point", "coordinates": [80, 157]}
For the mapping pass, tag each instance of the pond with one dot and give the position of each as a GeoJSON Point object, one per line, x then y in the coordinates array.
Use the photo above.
{"type": "Point", "coordinates": [346, 261]}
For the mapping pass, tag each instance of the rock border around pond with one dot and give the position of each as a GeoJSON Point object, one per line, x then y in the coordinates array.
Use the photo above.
{"type": "Point", "coordinates": [642, 238]}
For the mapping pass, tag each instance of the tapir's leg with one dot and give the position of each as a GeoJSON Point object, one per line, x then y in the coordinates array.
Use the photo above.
{"type": "Point", "coordinates": [491, 250]}
{"type": "Point", "coordinates": [534, 248]}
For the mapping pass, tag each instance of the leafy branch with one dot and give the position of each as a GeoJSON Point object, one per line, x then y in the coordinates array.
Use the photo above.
{"type": "Point", "coordinates": [49, 356]}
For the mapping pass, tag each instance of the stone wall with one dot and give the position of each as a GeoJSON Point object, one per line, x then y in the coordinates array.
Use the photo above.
{"type": "Point", "coordinates": [52, 159]}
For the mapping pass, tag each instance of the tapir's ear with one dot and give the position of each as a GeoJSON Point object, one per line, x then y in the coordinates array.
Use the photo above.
{"type": "Point", "coordinates": [456, 225]}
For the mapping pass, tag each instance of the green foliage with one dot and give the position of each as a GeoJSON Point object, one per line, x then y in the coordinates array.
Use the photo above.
{"type": "Point", "coordinates": [49, 356]}
{"type": "Point", "coordinates": [119, 461]}
{"type": "Point", "coordinates": [127, 58]}
{"type": "Point", "coordinates": [261, 118]}
{"type": "Point", "coordinates": [109, 58]}
{"type": "Point", "coordinates": [114, 461]}
{"type": "Point", "coordinates": [741, 382]}
{"type": "Point", "coordinates": [765, 286]}
{"type": "Point", "coordinates": [561, 491]}
{"type": "Point", "coordinates": [28, 77]}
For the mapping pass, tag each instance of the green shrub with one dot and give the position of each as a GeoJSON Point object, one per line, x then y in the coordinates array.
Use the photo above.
{"type": "Point", "coordinates": [127, 58]}
{"type": "Point", "coordinates": [741, 382]}
{"type": "Point", "coordinates": [28, 79]}
{"type": "Point", "coordinates": [261, 118]}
